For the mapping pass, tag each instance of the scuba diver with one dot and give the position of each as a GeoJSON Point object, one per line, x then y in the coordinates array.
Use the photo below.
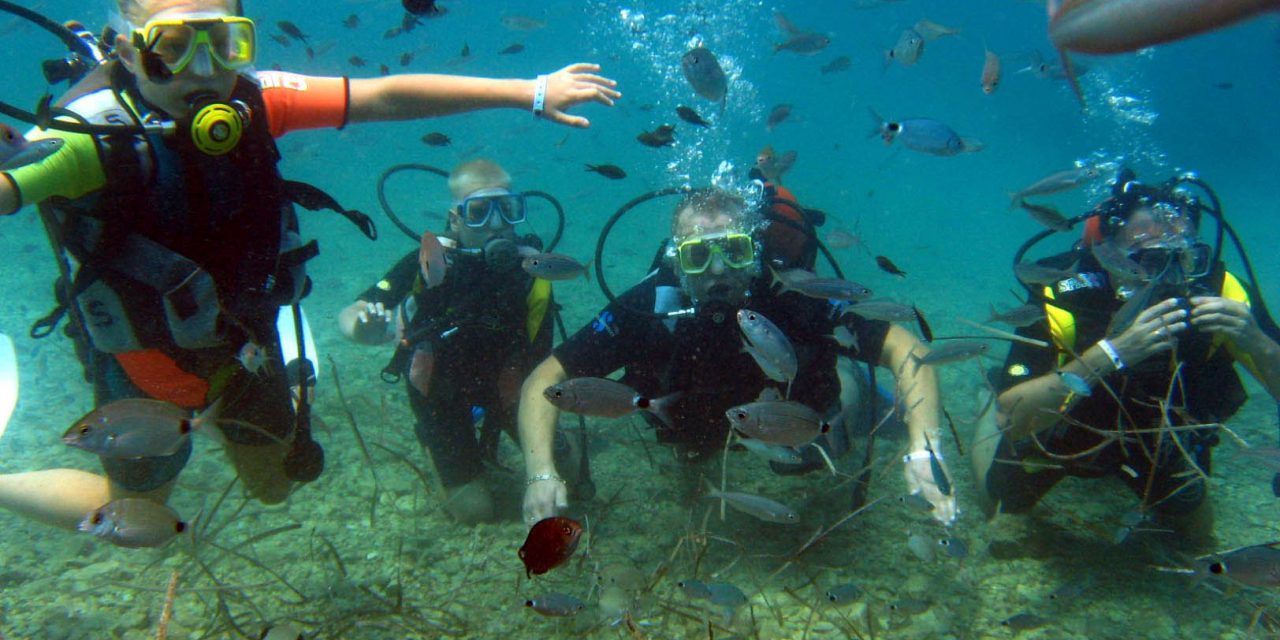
{"type": "Point", "coordinates": [465, 338]}
{"type": "Point", "coordinates": [676, 335]}
{"type": "Point", "coordinates": [176, 235]}
{"type": "Point", "coordinates": [1145, 325]}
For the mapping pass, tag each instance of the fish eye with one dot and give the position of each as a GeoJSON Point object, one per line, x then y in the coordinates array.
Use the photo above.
{"type": "Point", "coordinates": [1217, 568]}
{"type": "Point", "coordinates": [894, 127]}
{"type": "Point", "coordinates": [944, 542]}
{"type": "Point", "coordinates": [742, 415]}
{"type": "Point", "coordinates": [831, 596]}
{"type": "Point", "coordinates": [84, 429]}
{"type": "Point", "coordinates": [567, 530]}
{"type": "Point", "coordinates": [96, 519]}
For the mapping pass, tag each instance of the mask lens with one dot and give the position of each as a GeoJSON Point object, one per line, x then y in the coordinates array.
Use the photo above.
{"type": "Point", "coordinates": [478, 210]}
{"type": "Point", "coordinates": [230, 41]}
{"type": "Point", "coordinates": [695, 255]}
{"type": "Point", "coordinates": [1195, 260]}
{"type": "Point", "coordinates": [173, 43]}
{"type": "Point", "coordinates": [739, 251]}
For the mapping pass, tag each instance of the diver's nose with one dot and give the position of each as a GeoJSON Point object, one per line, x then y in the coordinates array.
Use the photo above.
{"type": "Point", "coordinates": [717, 265]}
{"type": "Point", "coordinates": [202, 62]}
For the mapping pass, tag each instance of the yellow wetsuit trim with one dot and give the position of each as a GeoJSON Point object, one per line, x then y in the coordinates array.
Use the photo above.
{"type": "Point", "coordinates": [538, 301]}
{"type": "Point", "coordinates": [75, 170]}
{"type": "Point", "coordinates": [1233, 290]}
{"type": "Point", "coordinates": [1062, 325]}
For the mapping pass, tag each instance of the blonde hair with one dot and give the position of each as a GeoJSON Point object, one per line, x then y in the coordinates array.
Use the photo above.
{"type": "Point", "coordinates": [710, 201]}
{"type": "Point", "coordinates": [473, 175]}
{"type": "Point", "coordinates": [136, 12]}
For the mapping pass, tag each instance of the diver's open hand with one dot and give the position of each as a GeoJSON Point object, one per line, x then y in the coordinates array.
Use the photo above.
{"type": "Point", "coordinates": [575, 84]}
{"type": "Point", "coordinates": [919, 475]}
{"type": "Point", "coordinates": [1229, 318]}
{"type": "Point", "coordinates": [543, 498]}
{"type": "Point", "coordinates": [1156, 329]}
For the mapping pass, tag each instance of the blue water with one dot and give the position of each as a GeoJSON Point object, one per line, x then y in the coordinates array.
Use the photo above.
{"type": "Point", "coordinates": [411, 573]}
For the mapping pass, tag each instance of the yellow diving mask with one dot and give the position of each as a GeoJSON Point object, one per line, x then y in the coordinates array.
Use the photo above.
{"type": "Point", "coordinates": [167, 47]}
{"type": "Point", "coordinates": [737, 250]}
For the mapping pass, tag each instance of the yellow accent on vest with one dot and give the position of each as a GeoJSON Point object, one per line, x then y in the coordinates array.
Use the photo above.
{"type": "Point", "coordinates": [538, 300]}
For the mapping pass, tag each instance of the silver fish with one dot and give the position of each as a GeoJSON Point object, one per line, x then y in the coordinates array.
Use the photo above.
{"type": "Point", "coordinates": [844, 594]}
{"type": "Point", "coordinates": [886, 310]}
{"type": "Point", "coordinates": [930, 30]}
{"type": "Point", "coordinates": [133, 428]}
{"type": "Point", "coordinates": [779, 422]}
{"type": "Point", "coordinates": [1031, 273]}
{"type": "Point", "coordinates": [1253, 566]}
{"type": "Point", "coordinates": [758, 507]}
{"type": "Point", "coordinates": [916, 502]}
{"type": "Point", "coordinates": [16, 151]}
{"type": "Point", "coordinates": [1056, 182]}
{"type": "Point", "coordinates": [921, 547]}
{"type": "Point", "coordinates": [1022, 316]}
{"type": "Point", "coordinates": [603, 398]}
{"type": "Point", "coordinates": [822, 288]}
{"type": "Point", "coordinates": [695, 589]}
{"type": "Point", "coordinates": [133, 523]}
{"type": "Point", "coordinates": [955, 547]}
{"type": "Point", "coordinates": [798, 40]}
{"type": "Point", "coordinates": [935, 469]}
{"type": "Point", "coordinates": [953, 351]}
{"type": "Point", "coordinates": [1117, 263]}
{"type": "Point", "coordinates": [704, 73]}
{"type": "Point", "coordinates": [768, 346]}
{"type": "Point", "coordinates": [907, 50]}
{"type": "Point", "coordinates": [775, 452]}
{"type": "Point", "coordinates": [910, 606]}
{"type": "Point", "coordinates": [925, 135]}
{"type": "Point", "coordinates": [557, 605]}
{"type": "Point", "coordinates": [726, 595]}
{"type": "Point", "coordinates": [554, 266]}
{"type": "Point", "coordinates": [1046, 215]}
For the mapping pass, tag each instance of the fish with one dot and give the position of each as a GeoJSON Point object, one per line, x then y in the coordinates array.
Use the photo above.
{"type": "Point", "coordinates": [466, 51]}
{"type": "Point", "coordinates": [555, 605]}
{"type": "Point", "coordinates": [886, 265]}
{"type": "Point", "coordinates": [777, 115]}
{"type": "Point", "coordinates": [955, 547]}
{"type": "Point", "coordinates": [16, 151]}
{"type": "Point", "coordinates": [953, 351]}
{"type": "Point", "coordinates": [1107, 26]}
{"type": "Point", "coordinates": [844, 594]}
{"type": "Point", "coordinates": [1046, 215]}
{"type": "Point", "coordinates": [930, 30]}
{"type": "Point", "coordinates": [612, 172]}
{"type": "Point", "coordinates": [773, 166]}
{"type": "Point", "coordinates": [769, 346]}
{"type": "Point", "coordinates": [696, 589]}
{"type": "Point", "coordinates": [1117, 263]}
{"type": "Point", "coordinates": [431, 261]}
{"type": "Point", "coordinates": [282, 631]}
{"type": "Point", "coordinates": [663, 136]}
{"type": "Point", "coordinates": [910, 606]}
{"type": "Point", "coordinates": [774, 452]}
{"type": "Point", "coordinates": [391, 33]}
{"type": "Point", "coordinates": [1068, 591]}
{"type": "Point", "coordinates": [1075, 383]}
{"type": "Point", "coordinates": [703, 72]}
{"type": "Point", "coordinates": [935, 468]}
{"type": "Point", "coordinates": [798, 40]}
{"type": "Point", "coordinates": [916, 502]}
{"type": "Point", "coordinates": [436, 139]}
{"type": "Point", "coordinates": [925, 135]}
{"type": "Point", "coordinates": [281, 40]}
{"type": "Point", "coordinates": [921, 547]}
{"type": "Point", "coordinates": [311, 54]}
{"type": "Point", "coordinates": [549, 544]}
{"type": "Point", "coordinates": [356, 61]}
{"type": "Point", "coordinates": [781, 422]}
{"type": "Point", "coordinates": [522, 23]}
{"type": "Point", "coordinates": [725, 595]}
{"type": "Point", "coordinates": [1020, 316]}
{"type": "Point", "coordinates": [837, 239]}
{"type": "Point", "coordinates": [1045, 70]}
{"type": "Point", "coordinates": [990, 72]}
{"type": "Point", "coordinates": [384, 70]}
{"type": "Point", "coordinates": [137, 428]}
{"type": "Point", "coordinates": [1056, 182]}
{"type": "Point", "coordinates": [758, 507]}
{"type": "Point", "coordinates": [133, 523]}
{"type": "Point", "coordinates": [1128, 312]}
{"type": "Point", "coordinates": [907, 50]}
{"type": "Point", "coordinates": [554, 266]}
{"type": "Point", "coordinates": [426, 8]}
{"type": "Point", "coordinates": [290, 29]}
{"type": "Point", "coordinates": [926, 332]}
{"type": "Point", "coordinates": [1035, 274]}
{"type": "Point", "coordinates": [603, 398]}
{"type": "Point", "coordinates": [807, 284]}
{"type": "Point", "coordinates": [406, 58]}
{"type": "Point", "coordinates": [409, 22]}
{"type": "Point", "coordinates": [692, 117]}
{"type": "Point", "coordinates": [886, 310]}
{"type": "Point", "coordinates": [511, 49]}
{"type": "Point", "coordinates": [252, 357]}
{"type": "Point", "coordinates": [839, 64]}
{"type": "Point", "coordinates": [1024, 621]}
{"type": "Point", "coordinates": [351, 22]}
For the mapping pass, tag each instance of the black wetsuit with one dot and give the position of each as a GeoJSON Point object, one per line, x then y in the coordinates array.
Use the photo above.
{"type": "Point", "coordinates": [1161, 474]}
{"type": "Point", "coordinates": [475, 323]}
{"type": "Point", "coordinates": [703, 360]}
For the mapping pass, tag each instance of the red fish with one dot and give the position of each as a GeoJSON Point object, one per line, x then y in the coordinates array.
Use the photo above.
{"type": "Point", "coordinates": [431, 259]}
{"type": "Point", "coordinates": [549, 544]}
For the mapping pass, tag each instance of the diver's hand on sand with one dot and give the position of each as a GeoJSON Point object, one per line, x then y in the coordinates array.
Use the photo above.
{"type": "Point", "coordinates": [1156, 329]}
{"type": "Point", "coordinates": [373, 324]}
{"type": "Point", "coordinates": [574, 85]}
{"type": "Point", "coordinates": [543, 498]}
{"type": "Point", "coordinates": [919, 477]}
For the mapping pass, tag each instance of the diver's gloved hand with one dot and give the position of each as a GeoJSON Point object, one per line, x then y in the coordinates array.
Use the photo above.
{"type": "Point", "coordinates": [1228, 318]}
{"type": "Point", "coordinates": [919, 475]}
{"type": "Point", "coordinates": [543, 498]}
{"type": "Point", "coordinates": [374, 324]}
{"type": "Point", "coordinates": [573, 85]}
{"type": "Point", "coordinates": [1156, 329]}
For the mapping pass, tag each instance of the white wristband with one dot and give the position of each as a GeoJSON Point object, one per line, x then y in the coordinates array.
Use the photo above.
{"type": "Point", "coordinates": [919, 455]}
{"type": "Point", "coordinates": [543, 477]}
{"type": "Point", "coordinates": [1111, 352]}
{"type": "Point", "coordinates": [539, 96]}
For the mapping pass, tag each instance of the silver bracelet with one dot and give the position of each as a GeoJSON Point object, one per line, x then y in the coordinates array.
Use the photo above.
{"type": "Point", "coordinates": [539, 96]}
{"type": "Point", "coordinates": [543, 476]}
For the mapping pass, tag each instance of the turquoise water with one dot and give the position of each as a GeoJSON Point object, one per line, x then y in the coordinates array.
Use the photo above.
{"type": "Point", "coordinates": [407, 571]}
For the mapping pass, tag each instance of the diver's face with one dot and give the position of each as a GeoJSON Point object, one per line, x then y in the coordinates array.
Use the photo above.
{"type": "Point", "coordinates": [476, 237]}
{"type": "Point", "coordinates": [1165, 227]}
{"type": "Point", "coordinates": [720, 281]}
{"type": "Point", "coordinates": [202, 76]}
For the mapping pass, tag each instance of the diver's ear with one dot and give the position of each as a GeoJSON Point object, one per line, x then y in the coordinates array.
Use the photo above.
{"type": "Point", "coordinates": [127, 54]}
{"type": "Point", "coordinates": [455, 221]}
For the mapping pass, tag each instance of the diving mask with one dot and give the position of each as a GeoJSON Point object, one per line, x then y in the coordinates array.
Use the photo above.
{"type": "Point", "coordinates": [737, 250]}
{"type": "Point", "coordinates": [1192, 261]}
{"type": "Point", "coordinates": [168, 47]}
{"type": "Point", "coordinates": [477, 209]}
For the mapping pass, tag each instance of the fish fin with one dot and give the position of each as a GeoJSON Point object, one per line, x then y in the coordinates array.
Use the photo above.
{"type": "Point", "coordinates": [586, 270]}
{"type": "Point", "coordinates": [972, 145]}
{"type": "Point", "coordinates": [879, 121]}
{"type": "Point", "coordinates": [659, 407]}
{"type": "Point", "coordinates": [777, 279]}
{"type": "Point", "coordinates": [1070, 70]}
